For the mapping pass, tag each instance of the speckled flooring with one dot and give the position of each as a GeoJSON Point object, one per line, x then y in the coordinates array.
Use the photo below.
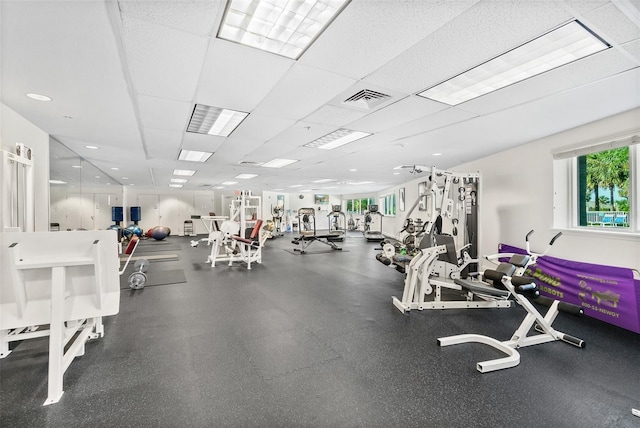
{"type": "Point", "coordinates": [314, 341]}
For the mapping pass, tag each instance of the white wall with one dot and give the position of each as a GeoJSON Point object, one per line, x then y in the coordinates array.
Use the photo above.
{"type": "Point", "coordinates": [517, 195]}
{"type": "Point", "coordinates": [15, 129]}
{"type": "Point", "coordinates": [85, 208]}
{"type": "Point", "coordinates": [169, 208]}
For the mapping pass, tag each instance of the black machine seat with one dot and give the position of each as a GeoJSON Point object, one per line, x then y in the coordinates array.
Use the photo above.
{"type": "Point", "coordinates": [481, 288]}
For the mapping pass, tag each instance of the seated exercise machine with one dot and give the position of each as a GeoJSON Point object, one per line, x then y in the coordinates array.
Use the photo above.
{"type": "Point", "coordinates": [525, 291]}
{"type": "Point", "coordinates": [57, 285]}
{"type": "Point", "coordinates": [337, 224]}
{"type": "Point", "coordinates": [441, 249]}
{"type": "Point", "coordinates": [369, 234]}
{"type": "Point", "coordinates": [228, 246]}
{"type": "Point", "coordinates": [308, 233]}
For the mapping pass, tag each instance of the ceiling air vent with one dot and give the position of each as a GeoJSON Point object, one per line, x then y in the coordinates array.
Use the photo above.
{"type": "Point", "coordinates": [250, 163]}
{"type": "Point", "coordinates": [366, 99]}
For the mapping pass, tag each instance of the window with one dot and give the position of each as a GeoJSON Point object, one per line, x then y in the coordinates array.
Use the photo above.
{"type": "Point", "coordinates": [358, 206]}
{"type": "Point", "coordinates": [388, 204]}
{"type": "Point", "coordinates": [600, 183]}
{"type": "Point", "coordinates": [603, 188]}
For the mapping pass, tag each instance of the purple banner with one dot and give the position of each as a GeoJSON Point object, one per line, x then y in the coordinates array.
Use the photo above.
{"type": "Point", "coordinates": [607, 293]}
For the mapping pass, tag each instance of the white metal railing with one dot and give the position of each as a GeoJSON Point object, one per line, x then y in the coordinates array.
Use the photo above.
{"type": "Point", "coordinates": [608, 218]}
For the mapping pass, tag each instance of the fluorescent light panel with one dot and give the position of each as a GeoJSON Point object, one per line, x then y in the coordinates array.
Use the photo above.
{"type": "Point", "coordinates": [187, 172]}
{"type": "Point", "coordinates": [229, 183]}
{"type": "Point", "coordinates": [336, 139]}
{"type": "Point", "coordinates": [179, 180]}
{"type": "Point", "coordinates": [57, 182]}
{"type": "Point", "coordinates": [285, 28]}
{"type": "Point", "coordinates": [324, 180]}
{"type": "Point", "coordinates": [175, 185]}
{"type": "Point", "coordinates": [278, 163]}
{"type": "Point", "coordinates": [246, 176]}
{"type": "Point", "coordinates": [558, 47]}
{"type": "Point", "coordinates": [194, 156]}
{"type": "Point", "coordinates": [214, 120]}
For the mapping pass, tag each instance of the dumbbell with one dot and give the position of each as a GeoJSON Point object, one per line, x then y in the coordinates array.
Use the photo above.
{"type": "Point", "coordinates": [138, 278]}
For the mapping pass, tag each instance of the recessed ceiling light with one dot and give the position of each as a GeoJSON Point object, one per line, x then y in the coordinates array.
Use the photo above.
{"type": "Point", "coordinates": [179, 180]}
{"type": "Point", "coordinates": [38, 97]}
{"type": "Point", "coordinates": [436, 154]}
{"type": "Point", "coordinates": [324, 180]}
{"type": "Point", "coordinates": [558, 47]}
{"type": "Point", "coordinates": [353, 170]}
{"type": "Point", "coordinates": [57, 182]}
{"type": "Point", "coordinates": [97, 176]}
{"type": "Point", "coordinates": [278, 163]}
{"type": "Point", "coordinates": [194, 156]}
{"type": "Point", "coordinates": [131, 184]}
{"type": "Point", "coordinates": [175, 185]}
{"type": "Point", "coordinates": [283, 28]}
{"type": "Point", "coordinates": [76, 166]}
{"type": "Point", "coordinates": [219, 187]}
{"type": "Point", "coordinates": [115, 168]}
{"type": "Point", "coordinates": [297, 185]}
{"type": "Point", "coordinates": [187, 172]}
{"type": "Point", "coordinates": [229, 183]}
{"type": "Point", "coordinates": [92, 147]}
{"type": "Point", "coordinates": [125, 178]}
{"type": "Point", "coordinates": [214, 120]}
{"type": "Point", "coordinates": [336, 139]}
{"type": "Point", "coordinates": [396, 173]}
{"type": "Point", "coordinates": [246, 176]}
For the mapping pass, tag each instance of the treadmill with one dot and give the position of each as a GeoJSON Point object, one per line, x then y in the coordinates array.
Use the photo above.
{"type": "Point", "coordinates": [372, 235]}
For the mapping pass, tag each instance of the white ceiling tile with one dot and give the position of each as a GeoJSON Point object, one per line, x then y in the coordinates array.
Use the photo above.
{"type": "Point", "coordinates": [396, 25]}
{"type": "Point", "coordinates": [162, 113]}
{"type": "Point", "coordinates": [332, 115]}
{"type": "Point", "coordinates": [301, 91]}
{"type": "Point", "coordinates": [612, 25]}
{"type": "Point", "coordinates": [162, 144]}
{"type": "Point", "coordinates": [163, 62]}
{"type": "Point", "coordinates": [260, 127]}
{"type": "Point", "coordinates": [193, 16]}
{"type": "Point", "coordinates": [237, 77]}
{"type": "Point", "coordinates": [437, 120]}
{"type": "Point", "coordinates": [633, 49]}
{"type": "Point", "coordinates": [484, 31]}
{"type": "Point", "coordinates": [584, 6]}
{"type": "Point", "coordinates": [396, 114]}
{"type": "Point", "coordinates": [202, 142]}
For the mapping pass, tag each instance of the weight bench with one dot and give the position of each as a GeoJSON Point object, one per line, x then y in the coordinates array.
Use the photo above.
{"type": "Point", "coordinates": [251, 248]}
{"type": "Point", "coordinates": [306, 240]}
{"type": "Point", "coordinates": [437, 268]}
{"type": "Point", "coordinates": [524, 290]}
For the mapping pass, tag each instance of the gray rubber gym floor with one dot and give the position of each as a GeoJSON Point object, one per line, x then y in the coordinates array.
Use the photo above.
{"type": "Point", "coordinates": [314, 341]}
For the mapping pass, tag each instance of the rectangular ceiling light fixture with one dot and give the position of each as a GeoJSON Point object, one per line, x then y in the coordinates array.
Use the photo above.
{"type": "Point", "coordinates": [558, 47]}
{"type": "Point", "coordinates": [336, 139]}
{"type": "Point", "coordinates": [178, 186]}
{"type": "Point", "coordinates": [194, 156]}
{"type": "Point", "coordinates": [285, 28]}
{"type": "Point", "coordinates": [187, 172]}
{"type": "Point", "coordinates": [214, 120]}
{"type": "Point", "coordinates": [229, 183]}
{"type": "Point", "coordinates": [246, 176]}
{"type": "Point", "coordinates": [179, 180]}
{"type": "Point", "coordinates": [324, 180]}
{"type": "Point", "coordinates": [278, 163]}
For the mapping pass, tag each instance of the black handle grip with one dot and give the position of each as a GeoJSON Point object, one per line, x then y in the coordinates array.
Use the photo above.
{"type": "Point", "coordinates": [559, 234]}
{"type": "Point", "coordinates": [526, 238]}
{"type": "Point", "coordinates": [573, 341]}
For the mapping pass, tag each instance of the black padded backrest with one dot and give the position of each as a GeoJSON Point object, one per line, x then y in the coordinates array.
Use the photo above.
{"type": "Point", "coordinates": [506, 268]}
{"type": "Point", "coordinates": [450, 255]}
{"type": "Point", "coordinates": [519, 260]}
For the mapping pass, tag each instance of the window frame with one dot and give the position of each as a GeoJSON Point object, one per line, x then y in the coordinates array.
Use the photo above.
{"type": "Point", "coordinates": [566, 184]}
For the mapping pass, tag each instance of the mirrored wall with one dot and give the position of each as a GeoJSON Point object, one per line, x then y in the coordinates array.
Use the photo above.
{"type": "Point", "coordinates": [81, 195]}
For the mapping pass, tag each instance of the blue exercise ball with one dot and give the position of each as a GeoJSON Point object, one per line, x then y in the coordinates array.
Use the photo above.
{"type": "Point", "coordinates": [133, 229]}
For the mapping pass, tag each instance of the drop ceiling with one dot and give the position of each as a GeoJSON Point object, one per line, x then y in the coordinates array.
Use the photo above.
{"type": "Point", "coordinates": [125, 76]}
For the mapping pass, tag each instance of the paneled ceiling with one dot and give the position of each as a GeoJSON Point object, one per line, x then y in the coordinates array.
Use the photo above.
{"type": "Point", "coordinates": [125, 76]}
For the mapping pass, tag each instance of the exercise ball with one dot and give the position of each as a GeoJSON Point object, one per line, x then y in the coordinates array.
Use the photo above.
{"type": "Point", "coordinates": [133, 229]}
{"type": "Point", "coordinates": [159, 233]}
